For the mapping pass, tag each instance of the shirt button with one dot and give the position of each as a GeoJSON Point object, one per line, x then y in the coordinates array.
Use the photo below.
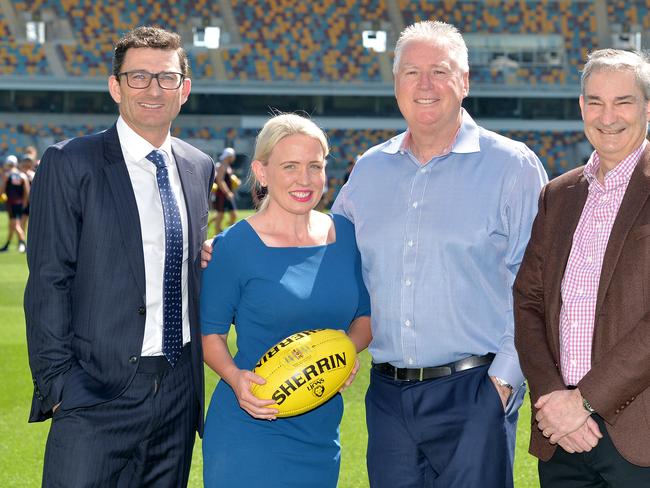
{"type": "Point", "coordinates": [142, 310]}
{"type": "Point", "coordinates": [133, 359]}
{"type": "Point", "coordinates": [581, 291]}
{"type": "Point", "coordinates": [407, 323]}
{"type": "Point", "coordinates": [589, 259]}
{"type": "Point", "coordinates": [573, 362]}
{"type": "Point", "coordinates": [410, 243]}
{"type": "Point", "coordinates": [411, 361]}
{"type": "Point", "coordinates": [424, 170]}
{"type": "Point", "coordinates": [574, 324]}
{"type": "Point", "coordinates": [415, 204]}
{"type": "Point", "coordinates": [407, 282]}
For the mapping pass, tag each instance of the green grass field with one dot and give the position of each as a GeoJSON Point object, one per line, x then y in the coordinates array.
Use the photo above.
{"type": "Point", "coordinates": [22, 444]}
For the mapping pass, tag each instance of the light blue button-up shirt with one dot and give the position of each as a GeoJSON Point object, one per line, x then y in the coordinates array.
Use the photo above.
{"type": "Point", "coordinates": [441, 244]}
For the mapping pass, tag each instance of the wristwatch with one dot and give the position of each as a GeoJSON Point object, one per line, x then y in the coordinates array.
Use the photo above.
{"type": "Point", "coordinates": [502, 382]}
{"type": "Point", "coordinates": [587, 406]}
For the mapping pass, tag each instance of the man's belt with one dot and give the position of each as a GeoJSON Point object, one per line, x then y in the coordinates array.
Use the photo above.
{"type": "Point", "coordinates": [421, 374]}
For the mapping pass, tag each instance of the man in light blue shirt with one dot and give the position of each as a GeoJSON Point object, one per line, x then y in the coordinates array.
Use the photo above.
{"type": "Point", "coordinates": [442, 215]}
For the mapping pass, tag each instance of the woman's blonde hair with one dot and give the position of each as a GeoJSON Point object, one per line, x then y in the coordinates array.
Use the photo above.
{"type": "Point", "coordinates": [275, 129]}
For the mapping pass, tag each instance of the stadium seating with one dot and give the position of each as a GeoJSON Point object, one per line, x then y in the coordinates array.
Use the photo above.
{"type": "Point", "coordinates": [316, 42]}
{"type": "Point", "coordinates": [320, 42]}
{"type": "Point", "coordinates": [626, 13]}
{"type": "Point", "coordinates": [96, 25]}
{"type": "Point", "coordinates": [555, 149]}
{"type": "Point", "coordinates": [312, 43]}
{"type": "Point", "coordinates": [328, 36]}
{"type": "Point", "coordinates": [20, 59]}
{"type": "Point", "coordinates": [14, 138]}
{"type": "Point", "coordinates": [573, 20]}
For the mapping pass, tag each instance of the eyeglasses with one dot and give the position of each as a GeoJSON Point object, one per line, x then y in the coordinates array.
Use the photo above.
{"type": "Point", "coordinates": [167, 80]}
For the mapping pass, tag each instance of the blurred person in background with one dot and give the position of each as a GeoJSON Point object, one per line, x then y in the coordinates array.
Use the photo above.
{"type": "Point", "coordinates": [15, 193]}
{"type": "Point", "coordinates": [349, 168]}
{"type": "Point", "coordinates": [32, 152]}
{"type": "Point", "coordinates": [224, 196]}
{"type": "Point", "coordinates": [27, 165]}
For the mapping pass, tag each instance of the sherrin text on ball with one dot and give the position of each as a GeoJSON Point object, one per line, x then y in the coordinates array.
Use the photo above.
{"type": "Point", "coordinates": [305, 370]}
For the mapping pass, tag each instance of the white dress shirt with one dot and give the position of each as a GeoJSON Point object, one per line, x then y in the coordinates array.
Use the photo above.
{"type": "Point", "coordinates": [142, 173]}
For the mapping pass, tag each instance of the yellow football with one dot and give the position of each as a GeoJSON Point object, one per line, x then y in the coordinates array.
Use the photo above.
{"type": "Point", "coordinates": [305, 370]}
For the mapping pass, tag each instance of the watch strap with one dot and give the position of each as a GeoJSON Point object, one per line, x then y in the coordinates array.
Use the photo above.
{"type": "Point", "coordinates": [587, 405]}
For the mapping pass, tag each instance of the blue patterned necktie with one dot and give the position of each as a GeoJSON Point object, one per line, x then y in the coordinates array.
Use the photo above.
{"type": "Point", "coordinates": [172, 294]}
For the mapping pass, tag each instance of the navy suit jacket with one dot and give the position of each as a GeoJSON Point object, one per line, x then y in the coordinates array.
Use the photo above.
{"type": "Point", "coordinates": [85, 297]}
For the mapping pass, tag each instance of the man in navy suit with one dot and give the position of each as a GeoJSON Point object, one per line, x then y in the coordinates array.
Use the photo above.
{"type": "Point", "coordinates": [117, 220]}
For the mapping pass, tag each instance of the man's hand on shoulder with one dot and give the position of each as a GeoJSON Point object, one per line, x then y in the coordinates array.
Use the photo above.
{"type": "Point", "coordinates": [206, 253]}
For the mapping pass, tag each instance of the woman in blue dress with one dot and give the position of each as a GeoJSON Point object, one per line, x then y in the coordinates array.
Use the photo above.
{"type": "Point", "coordinates": [285, 269]}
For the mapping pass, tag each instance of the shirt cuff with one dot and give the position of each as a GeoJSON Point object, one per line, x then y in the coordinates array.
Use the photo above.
{"type": "Point", "coordinates": [507, 368]}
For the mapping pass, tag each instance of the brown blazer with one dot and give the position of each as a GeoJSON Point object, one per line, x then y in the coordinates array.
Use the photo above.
{"type": "Point", "coordinates": [618, 384]}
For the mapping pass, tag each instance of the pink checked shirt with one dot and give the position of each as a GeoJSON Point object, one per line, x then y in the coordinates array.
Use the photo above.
{"type": "Point", "coordinates": [582, 274]}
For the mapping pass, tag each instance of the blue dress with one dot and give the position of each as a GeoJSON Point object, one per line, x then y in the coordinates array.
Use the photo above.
{"type": "Point", "coordinates": [270, 293]}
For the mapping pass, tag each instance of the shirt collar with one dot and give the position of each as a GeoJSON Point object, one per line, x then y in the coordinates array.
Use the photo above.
{"type": "Point", "coordinates": [621, 174]}
{"type": "Point", "coordinates": [467, 138]}
{"type": "Point", "coordinates": [137, 147]}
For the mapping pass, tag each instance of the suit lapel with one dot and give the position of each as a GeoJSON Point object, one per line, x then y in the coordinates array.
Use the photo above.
{"type": "Point", "coordinates": [571, 208]}
{"type": "Point", "coordinates": [125, 203]}
{"type": "Point", "coordinates": [192, 194]}
{"type": "Point", "coordinates": [634, 200]}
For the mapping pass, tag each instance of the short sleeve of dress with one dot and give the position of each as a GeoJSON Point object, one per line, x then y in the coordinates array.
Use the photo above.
{"type": "Point", "coordinates": [220, 288]}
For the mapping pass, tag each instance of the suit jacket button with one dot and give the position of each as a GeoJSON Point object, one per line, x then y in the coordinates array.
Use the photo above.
{"type": "Point", "coordinates": [142, 310]}
{"type": "Point", "coordinates": [133, 359]}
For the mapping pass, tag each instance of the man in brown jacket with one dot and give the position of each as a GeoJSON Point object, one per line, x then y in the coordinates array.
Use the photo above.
{"type": "Point", "coordinates": [582, 295]}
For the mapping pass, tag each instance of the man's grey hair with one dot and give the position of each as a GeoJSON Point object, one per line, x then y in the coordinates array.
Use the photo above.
{"type": "Point", "coordinates": [618, 60]}
{"type": "Point", "coordinates": [438, 33]}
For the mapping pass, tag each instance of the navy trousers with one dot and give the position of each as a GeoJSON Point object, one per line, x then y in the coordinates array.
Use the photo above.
{"type": "Point", "coordinates": [142, 438]}
{"type": "Point", "coordinates": [602, 467]}
{"type": "Point", "coordinates": [449, 432]}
